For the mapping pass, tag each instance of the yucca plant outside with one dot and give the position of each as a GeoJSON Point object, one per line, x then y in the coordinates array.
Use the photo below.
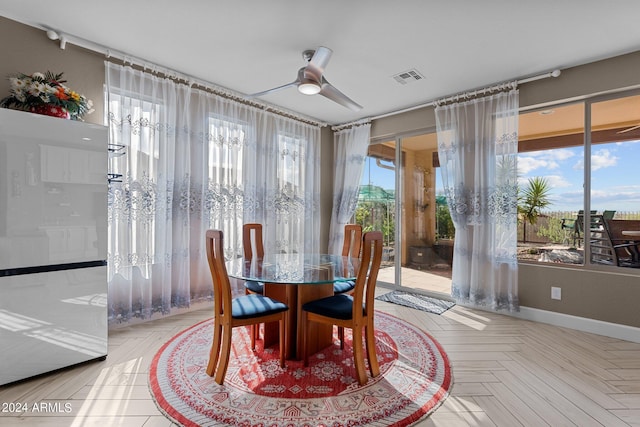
{"type": "Point", "coordinates": [533, 199]}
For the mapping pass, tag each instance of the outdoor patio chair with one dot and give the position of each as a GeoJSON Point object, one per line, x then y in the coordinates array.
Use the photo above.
{"type": "Point", "coordinates": [625, 249]}
{"type": "Point", "coordinates": [575, 226]}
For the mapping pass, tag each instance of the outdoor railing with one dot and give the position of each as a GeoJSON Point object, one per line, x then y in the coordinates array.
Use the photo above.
{"type": "Point", "coordinates": [548, 227]}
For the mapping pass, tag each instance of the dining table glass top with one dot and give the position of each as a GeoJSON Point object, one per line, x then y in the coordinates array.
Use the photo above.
{"type": "Point", "coordinates": [298, 268]}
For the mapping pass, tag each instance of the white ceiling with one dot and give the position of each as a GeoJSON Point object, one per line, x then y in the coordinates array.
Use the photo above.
{"type": "Point", "coordinates": [252, 45]}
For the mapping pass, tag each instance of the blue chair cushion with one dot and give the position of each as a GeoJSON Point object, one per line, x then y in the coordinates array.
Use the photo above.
{"type": "Point", "coordinates": [337, 307]}
{"type": "Point", "coordinates": [248, 306]}
{"type": "Point", "coordinates": [255, 287]}
{"type": "Point", "coordinates": [342, 287]}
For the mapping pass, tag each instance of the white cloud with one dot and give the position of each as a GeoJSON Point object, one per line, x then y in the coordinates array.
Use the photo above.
{"type": "Point", "coordinates": [600, 159]}
{"type": "Point", "coordinates": [528, 164]}
{"type": "Point", "coordinates": [547, 159]}
{"type": "Point", "coordinates": [554, 181]}
{"type": "Point", "coordinates": [561, 154]}
{"type": "Point", "coordinates": [558, 181]}
{"type": "Point", "coordinates": [603, 158]}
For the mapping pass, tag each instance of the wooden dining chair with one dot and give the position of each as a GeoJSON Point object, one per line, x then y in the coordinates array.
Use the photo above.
{"type": "Point", "coordinates": [351, 246]}
{"type": "Point", "coordinates": [252, 246]}
{"type": "Point", "coordinates": [352, 311]}
{"type": "Point", "coordinates": [231, 312]}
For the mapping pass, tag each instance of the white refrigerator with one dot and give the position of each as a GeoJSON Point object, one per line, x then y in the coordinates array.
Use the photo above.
{"type": "Point", "coordinates": [53, 244]}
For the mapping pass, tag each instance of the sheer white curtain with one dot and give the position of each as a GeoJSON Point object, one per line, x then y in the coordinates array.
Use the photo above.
{"type": "Point", "coordinates": [477, 148]}
{"type": "Point", "coordinates": [350, 152]}
{"type": "Point", "coordinates": [185, 160]}
{"type": "Point", "coordinates": [282, 189]}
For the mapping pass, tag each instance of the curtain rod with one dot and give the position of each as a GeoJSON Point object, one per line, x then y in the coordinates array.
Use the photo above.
{"type": "Point", "coordinates": [554, 73]}
{"type": "Point", "coordinates": [352, 124]}
{"type": "Point", "coordinates": [95, 47]}
{"type": "Point", "coordinates": [173, 74]}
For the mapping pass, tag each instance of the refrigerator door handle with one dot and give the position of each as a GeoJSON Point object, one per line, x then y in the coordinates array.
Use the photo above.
{"type": "Point", "coordinates": [53, 267]}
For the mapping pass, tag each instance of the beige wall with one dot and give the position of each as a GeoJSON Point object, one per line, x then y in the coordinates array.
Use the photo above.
{"type": "Point", "coordinates": [608, 297]}
{"type": "Point", "coordinates": [617, 73]}
{"type": "Point", "coordinates": [25, 49]}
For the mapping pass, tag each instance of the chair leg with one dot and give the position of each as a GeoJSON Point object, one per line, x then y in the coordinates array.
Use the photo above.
{"type": "Point", "coordinates": [305, 354]}
{"type": "Point", "coordinates": [358, 355]}
{"type": "Point", "coordinates": [215, 350]}
{"type": "Point", "coordinates": [224, 355]}
{"type": "Point", "coordinates": [281, 338]}
{"type": "Point", "coordinates": [370, 343]}
{"type": "Point", "coordinates": [253, 336]}
{"type": "Point", "coordinates": [255, 329]}
{"type": "Point", "coordinates": [341, 336]}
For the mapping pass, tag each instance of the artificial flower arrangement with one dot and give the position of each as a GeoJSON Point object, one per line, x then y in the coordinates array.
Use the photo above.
{"type": "Point", "coordinates": [46, 94]}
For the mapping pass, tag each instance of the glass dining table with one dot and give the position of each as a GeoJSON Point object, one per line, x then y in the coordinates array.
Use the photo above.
{"type": "Point", "coordinates": [296, 279]}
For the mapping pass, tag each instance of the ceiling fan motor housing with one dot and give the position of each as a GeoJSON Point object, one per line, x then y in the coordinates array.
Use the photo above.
{"type": "Point", "coordinates": [308, 54]}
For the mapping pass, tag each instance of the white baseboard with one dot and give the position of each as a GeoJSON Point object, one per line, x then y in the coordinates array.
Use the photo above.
{"type": "Point", "coordinates": [614, 330]}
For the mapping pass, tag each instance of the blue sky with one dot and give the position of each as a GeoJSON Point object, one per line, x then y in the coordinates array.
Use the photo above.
{"type": "Point", "coordinates": [615, 180]}
{"type": "Point", "coordinates": [375, 175]}
{"type": "Point", "coordinates": [615, 175]}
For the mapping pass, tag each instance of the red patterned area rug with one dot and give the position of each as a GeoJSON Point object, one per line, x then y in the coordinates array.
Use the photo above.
{"type": "Point", "coordinates": [415, 378]}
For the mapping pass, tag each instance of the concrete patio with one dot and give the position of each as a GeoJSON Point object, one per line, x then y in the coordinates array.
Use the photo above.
{"type": "Point", "coordinates": [428, 281]}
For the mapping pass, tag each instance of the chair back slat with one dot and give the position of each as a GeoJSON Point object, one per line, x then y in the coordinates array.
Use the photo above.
{"type": "Point", "coordinates": [221, 284]}
{"type": "Point", "coordinates": [352, 240]}
{"type": "Point", "coordinates": [252, 241]}
{"type": "Point", "coordinates": [371, 258]}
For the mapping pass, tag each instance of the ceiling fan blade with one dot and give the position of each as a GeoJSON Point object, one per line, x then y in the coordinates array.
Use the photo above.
{"type": "Point", "coordinates": [628, 129]}
{"type": "Point", "coordinates": [329, 91]}
{"type": "Point", "coordinates": [275, 89]}
{"type": "Point", "coordinates": [318, 63]}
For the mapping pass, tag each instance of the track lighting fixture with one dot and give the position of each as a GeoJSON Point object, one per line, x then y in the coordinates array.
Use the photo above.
{"type": "Point", "coordinates": [56, 36]}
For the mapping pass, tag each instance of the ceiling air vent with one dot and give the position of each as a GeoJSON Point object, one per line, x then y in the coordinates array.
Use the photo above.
{"type": "Point", "coordinates": [408, 76]}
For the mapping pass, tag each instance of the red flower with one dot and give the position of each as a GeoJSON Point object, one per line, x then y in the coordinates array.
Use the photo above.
{"type": "Point", "coordinates": [61, 95]}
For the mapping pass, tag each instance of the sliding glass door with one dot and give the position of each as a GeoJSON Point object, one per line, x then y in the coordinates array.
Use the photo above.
{"type": "Point", "coordinates": [377, 203]}
{"type": "Point", "coordinates": [425, 255]}
{"type": "Point", "coordinates": [398, 196]}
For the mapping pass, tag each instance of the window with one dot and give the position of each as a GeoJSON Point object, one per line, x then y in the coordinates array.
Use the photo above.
{"type": "Point", "coordinates": [134, 192]}
{"type": "Point", "coordinates": [614, 182]}
{"type": "Point", "coordinates": [579, 181]}
{"type": "Point", "coordinates": [224, 196]}
{"type": "Point", "coordinates": [289, 165]}
{"type": "Point", "coordinates": [551, 149]}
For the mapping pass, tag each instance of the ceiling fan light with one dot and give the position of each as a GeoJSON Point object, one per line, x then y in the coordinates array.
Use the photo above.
{"type": "Point", "coordinates": [309, 88]}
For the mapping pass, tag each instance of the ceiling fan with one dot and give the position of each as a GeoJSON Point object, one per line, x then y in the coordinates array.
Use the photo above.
{"type": "Point", "coordinates": [311, 81]}
{"type": "Point", "coordinates": [632, 128]}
